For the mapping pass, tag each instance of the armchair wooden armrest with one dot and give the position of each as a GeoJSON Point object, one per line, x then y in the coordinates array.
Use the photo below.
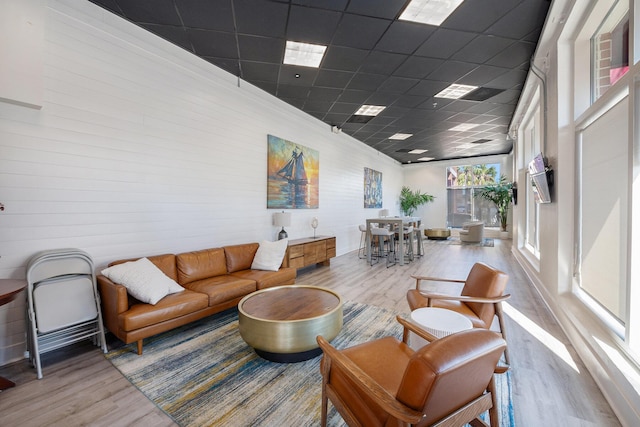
{"type": "Point", "coordinates": [464, 298]}
{"type": "Point", "coordinates": [383, 398]}
{"type": "Point", "coordinates": [410, 326]}
{"type": "Point", "coordinates": [434, 279]}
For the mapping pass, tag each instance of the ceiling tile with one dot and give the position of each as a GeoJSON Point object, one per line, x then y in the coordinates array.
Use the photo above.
{"type": "Point", "coordinates": [513, 55]}
{"type": "Point", "coordinates": [151, 12]}
{"type": "Point", "coordinates": [325, 4]}
{"type": "Point", "coordinates": [343, 58]}
{"type": "Point", "coordinates": [417, 67]}
{"type": "Point", "coordinates": [389, 9]}
{"type": "Point", "coordinates": [366, 81]}
{"type": "Point", "coordinates": [264, 49]}
{"type": "Point", "coordinates": [481, 49]}
{"type": "Point", "coordinates": [451, 71]}
{"type": "Point", "coordinates": [482, 74]}
{"type": "Point", "coordinates": [261, 17]}
{"type": "Point", "coordinates": [478, 15]}
{"type": "Point", "coordinates": [312, 25]}
{"type": "Point", "coordinates": [213, 43]}
{"type": "Point", "coordinates": [331, 78]}
{"type": "Point", "coordinates": [397, 84]}
{"type": "Point", "coordinates": [404, 37]}
{"type": "Point", "coordinates": [206, 15]}
{"type": "Point", "coordinates": [259, 71]}
{"type": "Point", "coordinates": [360, 32]}
{"type": "Point", "coordinates": [382, 62]}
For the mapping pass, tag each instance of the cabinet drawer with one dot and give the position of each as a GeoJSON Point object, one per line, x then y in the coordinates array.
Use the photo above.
{"type": "Point", "coordinates": [331, 244]}
{"type": "Point", "coordinates": [296, 251]}
{"type": "Point", "coordinates": [315, 252]}
{"type": "Point", "coordinates": [296, 262]}
{"type": "Point", "coordinates": [331, 252]}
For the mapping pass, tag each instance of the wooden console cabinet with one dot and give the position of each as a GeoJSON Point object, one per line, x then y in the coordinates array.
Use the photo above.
{"type": "Point", "coordinates": [308, 251]}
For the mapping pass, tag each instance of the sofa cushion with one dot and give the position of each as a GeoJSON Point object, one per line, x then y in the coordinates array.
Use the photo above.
{"type": "Point", "coordinates": [200, 265]}
{"type": "Point", "coordinates": [269, 255]}
{"type": "Point", "coordinates": [143, 280]}
{"type": "Point", "coordinates": [240, 257]}
{"type": "Point", "coordinates": [221, 289]}
{"type": "Point", "coordinates": [170, 307]}
{"type": "Point", "coordinates": [268, 279]}
{"type": "Point", "coordinates": [165, 262]}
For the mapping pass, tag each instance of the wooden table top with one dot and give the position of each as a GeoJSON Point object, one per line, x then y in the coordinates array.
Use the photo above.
{"type": "Point", "coordinates": [10, 288]}
{"type": "Point", "coordinates": [290, 303]}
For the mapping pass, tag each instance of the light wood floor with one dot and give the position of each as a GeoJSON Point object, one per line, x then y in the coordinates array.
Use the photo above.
{"type": "Point", "coordinates": [551, 386]}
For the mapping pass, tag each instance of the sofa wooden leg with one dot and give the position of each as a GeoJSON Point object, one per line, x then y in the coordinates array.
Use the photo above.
{"type": "Point", "coordinates": [139, 347]}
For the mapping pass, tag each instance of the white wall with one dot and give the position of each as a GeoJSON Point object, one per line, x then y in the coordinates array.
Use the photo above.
{"type": "Point", "coordinates": [142, 148]}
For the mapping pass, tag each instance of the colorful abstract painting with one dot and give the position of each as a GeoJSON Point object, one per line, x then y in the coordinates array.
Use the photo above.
{"type": "Point", "coordinates": [292, 175]}
{"type": "Point", "coordinates": [372, 188]}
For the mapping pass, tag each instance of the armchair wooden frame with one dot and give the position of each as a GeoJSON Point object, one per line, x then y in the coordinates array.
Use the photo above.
{"type": "Point", "coordinates": [497, 302]}
{"type": "Point", "coordinates": [407, 416]}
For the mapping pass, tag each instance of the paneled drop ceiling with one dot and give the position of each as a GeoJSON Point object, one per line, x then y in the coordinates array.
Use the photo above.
{"type": "Point", "coordinates": [371, 58]}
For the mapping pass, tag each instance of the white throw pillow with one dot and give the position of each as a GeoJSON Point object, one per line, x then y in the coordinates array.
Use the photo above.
{"type": "Point", "coordinates": [143, 280]}
{"type": "Point", "coordinates": [269, 255]}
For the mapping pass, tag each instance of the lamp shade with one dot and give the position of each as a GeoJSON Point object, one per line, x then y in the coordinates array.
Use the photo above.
{"type": "Point", "coordinates": [384, 213]}
{"type": "Point", "coordinates": [282, 219]}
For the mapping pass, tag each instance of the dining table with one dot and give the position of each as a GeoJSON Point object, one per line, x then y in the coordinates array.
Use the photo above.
{"type": "Point", "coordinates": [395, 223]}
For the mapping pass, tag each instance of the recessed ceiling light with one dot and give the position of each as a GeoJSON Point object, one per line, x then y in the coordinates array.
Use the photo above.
{"type": "Point", "coordinates": [304, 54]}
{"type": "Point", "coordinates": [369, 110]}
{"type": "Point", "coordinates": [464, 126]}
{"type": "Point", "coordinates": [425, 159]}
{"type": "Point", "coordinates": [417, 151]}
{"type": "Point", "coordinates": [401, 136]}
{"type": "Point", "coordinates": [455, 91]}
{"type": "Point", "coordinates": [432, 12]}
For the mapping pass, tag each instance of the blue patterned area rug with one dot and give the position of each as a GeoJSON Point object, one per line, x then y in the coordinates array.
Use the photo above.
{"type": "Point", "coordinates": [204, 374]}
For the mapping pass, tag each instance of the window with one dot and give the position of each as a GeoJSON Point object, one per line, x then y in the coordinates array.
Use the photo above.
{"type": "Point", "coordinates": [610, 50]}
{"type": "Point", "coordinates": [462, 205]}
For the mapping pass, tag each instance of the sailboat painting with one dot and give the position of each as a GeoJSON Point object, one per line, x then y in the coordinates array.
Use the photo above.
{"type": "Point", "coordinates": [292, 175]}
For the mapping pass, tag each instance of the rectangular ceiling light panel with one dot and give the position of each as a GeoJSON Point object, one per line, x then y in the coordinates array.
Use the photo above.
{"type": "Point", "coordinates": [369, 110]}
{"type": "Point", "coordinates": [418, 151]}
{"type": "Point", "coordinates": [455, 91]}
{"type": "Point", "coordinates": [432, 12]}
{"type": "Point", "coordinates": [401, 136]}
{"type": "Point", "coordinates": [464, 126]}
{"type": "Point", "coordinates": [303, 54]}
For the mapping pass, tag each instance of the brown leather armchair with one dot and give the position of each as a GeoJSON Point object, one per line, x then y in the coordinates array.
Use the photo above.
{"type": "Point", "coordinates": [480, 300]}
{"type": "Point", "coordinates": [386, 383]}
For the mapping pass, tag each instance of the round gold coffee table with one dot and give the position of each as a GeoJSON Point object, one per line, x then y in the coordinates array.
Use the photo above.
{"type": "Point", "coordinates": [281, 323]}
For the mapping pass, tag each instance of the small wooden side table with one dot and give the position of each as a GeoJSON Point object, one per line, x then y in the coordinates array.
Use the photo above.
{"type": "Point", "coordinates": [9, 289]}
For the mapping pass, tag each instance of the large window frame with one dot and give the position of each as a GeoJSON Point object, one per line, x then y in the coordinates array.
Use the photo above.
{"type": "Point", "coordinates": [622, 96]}
{"type": "Point", "coordinates": [462, 183]}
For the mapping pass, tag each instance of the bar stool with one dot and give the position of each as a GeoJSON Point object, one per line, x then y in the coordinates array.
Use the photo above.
{"type": "Point", "coordinates": [406, 239]}
{"type": "Point", "coordinates": [363, 238]}
{"type": "Point", "coordinates": [381, 236]}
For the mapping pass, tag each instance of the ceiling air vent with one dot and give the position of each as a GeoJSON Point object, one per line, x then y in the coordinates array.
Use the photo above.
{"type": "Point", "coordinates": [482, 94]}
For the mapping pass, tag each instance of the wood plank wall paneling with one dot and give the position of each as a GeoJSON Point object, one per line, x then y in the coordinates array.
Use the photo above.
{"type": "Point", "coordinates": [141, 148]}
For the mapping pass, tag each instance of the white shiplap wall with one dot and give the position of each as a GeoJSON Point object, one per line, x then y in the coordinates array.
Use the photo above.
{"type": "Point", "coordinates": [142, 148]}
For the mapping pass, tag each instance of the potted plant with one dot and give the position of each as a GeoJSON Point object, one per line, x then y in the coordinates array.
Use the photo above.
{"type": "Point", "coordinates": [411, 200]}
{"type": "Point", "coordinates": [500, 194]}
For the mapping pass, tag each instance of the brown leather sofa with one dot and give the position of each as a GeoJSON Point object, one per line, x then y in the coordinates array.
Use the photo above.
{"type": "Point", "coordinates": [214, 280]}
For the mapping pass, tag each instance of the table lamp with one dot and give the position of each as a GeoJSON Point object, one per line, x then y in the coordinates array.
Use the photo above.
{"type": "Point", "coordinates": [282, 219]}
